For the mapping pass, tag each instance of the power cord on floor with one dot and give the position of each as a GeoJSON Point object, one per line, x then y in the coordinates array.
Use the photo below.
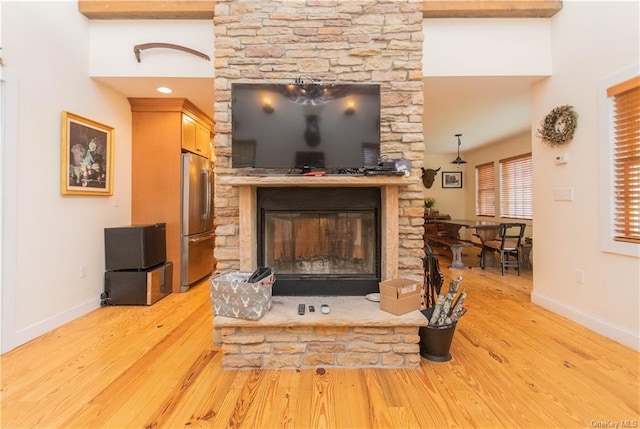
{"type": "Point", "coordinates": [104, 299]}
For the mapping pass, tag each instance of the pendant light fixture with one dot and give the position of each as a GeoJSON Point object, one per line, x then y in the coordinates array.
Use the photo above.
{"type": "Point", "coordinates": [458, 160]}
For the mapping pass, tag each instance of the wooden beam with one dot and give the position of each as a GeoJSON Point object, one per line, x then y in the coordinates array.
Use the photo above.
{"type": "Point", "coordinates": [204, 9]}
{"type": "Point", "coordinates": [147, 9]}
{"type": "Point", "coordinates": [490, 8]}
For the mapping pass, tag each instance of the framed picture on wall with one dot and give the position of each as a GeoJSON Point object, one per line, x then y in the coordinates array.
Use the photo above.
{"type": "Point", "coordinates": [452, 179]}
{"type": "Point", "coordinates": [86, 156]}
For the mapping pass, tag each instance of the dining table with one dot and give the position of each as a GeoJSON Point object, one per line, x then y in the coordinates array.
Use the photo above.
{"type": "Point", "coordinates": [485, 230]}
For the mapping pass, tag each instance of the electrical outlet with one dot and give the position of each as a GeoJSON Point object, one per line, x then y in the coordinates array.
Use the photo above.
{"type": "Point", "coordinates": [562, 158]}
{"type": "Point", "coordinates": [83, 271]}
{"type": "Point", "coordinates": [580, 277]}
{"type": "Point", "coordinates": [563, 194]}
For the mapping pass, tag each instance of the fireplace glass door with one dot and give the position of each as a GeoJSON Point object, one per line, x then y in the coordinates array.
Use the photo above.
{"type": "Point", "coordinates": [320, 243]}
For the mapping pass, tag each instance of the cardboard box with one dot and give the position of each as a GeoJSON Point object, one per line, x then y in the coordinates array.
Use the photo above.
{"type": "Point", "coordinates": [400, 296]}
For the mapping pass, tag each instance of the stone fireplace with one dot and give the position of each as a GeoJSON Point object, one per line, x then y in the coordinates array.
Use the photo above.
{"type": "Point", "coordinates": [348, 41]}
{"type": "Point", "coordinates": [341, 41]}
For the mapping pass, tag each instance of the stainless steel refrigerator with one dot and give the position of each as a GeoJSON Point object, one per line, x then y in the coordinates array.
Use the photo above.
{"type": "Point", "coordinates": [197, 219]}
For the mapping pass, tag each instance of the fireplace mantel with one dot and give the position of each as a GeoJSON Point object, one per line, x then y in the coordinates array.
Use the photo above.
{"type": "Point", "coordinates": [389, 190]}
{"type": "Point", "coordinates": [332, 180]}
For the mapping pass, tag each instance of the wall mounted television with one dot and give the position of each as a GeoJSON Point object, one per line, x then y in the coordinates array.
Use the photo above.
{"type": "Point", "coordinates": [305, 126]}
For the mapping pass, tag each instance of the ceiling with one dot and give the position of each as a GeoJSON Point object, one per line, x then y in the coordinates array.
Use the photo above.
{"type": "Point", "coordinates": [483, 109]}
{"type": "Point", "coordinates": [198, 90]}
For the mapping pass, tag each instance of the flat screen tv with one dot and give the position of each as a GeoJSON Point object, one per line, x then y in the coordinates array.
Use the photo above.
{"type": "Point", "coordinates": [289, 126]}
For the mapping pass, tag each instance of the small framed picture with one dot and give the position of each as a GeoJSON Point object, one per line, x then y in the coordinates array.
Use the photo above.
{"type": "Point", "coordinates": [86, 156]}
{"type": "Point", "coordinates": [452, 179]}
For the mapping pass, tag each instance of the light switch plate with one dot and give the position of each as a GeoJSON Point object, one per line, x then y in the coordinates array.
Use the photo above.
{"type": "Point", "coordinates": [563, 194]}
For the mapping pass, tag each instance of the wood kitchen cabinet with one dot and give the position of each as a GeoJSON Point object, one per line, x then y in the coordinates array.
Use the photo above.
{"type": "Point", "coordinates": [196, 137]}
{"type": "Point", "coordinates": [163, 128]}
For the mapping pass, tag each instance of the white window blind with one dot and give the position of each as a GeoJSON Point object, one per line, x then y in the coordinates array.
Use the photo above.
{"type": "Point", "coordinates": [516, 187]}
{"type": "Point", "coordinates": [486, 190]}
{"type": "Point", "coordinates": [626, 159]}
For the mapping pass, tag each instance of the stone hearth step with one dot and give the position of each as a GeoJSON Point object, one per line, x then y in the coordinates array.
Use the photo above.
{"type": "Point", "coordinates": [356, 333]}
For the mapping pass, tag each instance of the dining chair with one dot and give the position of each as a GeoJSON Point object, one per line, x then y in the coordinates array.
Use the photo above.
{"type": "Point", "coordinates": [507, 244]}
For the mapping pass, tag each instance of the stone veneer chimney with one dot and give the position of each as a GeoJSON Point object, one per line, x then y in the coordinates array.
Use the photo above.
{"type": "Point", "coordinates": [342, 41]}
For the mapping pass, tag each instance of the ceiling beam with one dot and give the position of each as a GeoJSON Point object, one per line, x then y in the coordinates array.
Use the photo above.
{"type": "Point", "coordinates": [204, 9]}
{"type": "Point", "coordinates": [490, 8]}
{"type": "Point", "coordinates": [147, 9]}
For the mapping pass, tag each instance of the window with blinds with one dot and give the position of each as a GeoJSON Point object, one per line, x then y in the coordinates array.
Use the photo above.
{"type": "Point", "coordinates": [486, 190]}
{"type": "Point", "coordinates": [625, 138]}
{"type": "Point", "coordinates": [516, 187]}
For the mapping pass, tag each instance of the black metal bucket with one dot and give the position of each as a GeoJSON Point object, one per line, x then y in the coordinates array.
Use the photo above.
{"type": "Point", "coordinates": [435, 341]}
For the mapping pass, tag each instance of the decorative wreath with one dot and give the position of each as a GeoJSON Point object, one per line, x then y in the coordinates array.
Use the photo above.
{"type": "Point", "coordinates": [558, 126]}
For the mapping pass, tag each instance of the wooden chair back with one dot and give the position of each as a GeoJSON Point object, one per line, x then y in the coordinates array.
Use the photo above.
{"type": "Point", "coordinates": [510, 235]}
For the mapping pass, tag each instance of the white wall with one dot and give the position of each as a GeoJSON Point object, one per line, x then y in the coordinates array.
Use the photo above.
{"type": "Point", "coordinates": [486, 47]}
{"type": "Point", "coordinates": [112, 41]}
{"type": "Point", "coordinates": [449, 201]}
{"type": "Point", "coordinates": [47, 236]}
{"type": "Point", "coordinates": [591, 40]}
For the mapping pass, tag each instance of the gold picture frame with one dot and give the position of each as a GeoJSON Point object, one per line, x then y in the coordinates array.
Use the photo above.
{"type": "Point", "coordinates": [86, 156]}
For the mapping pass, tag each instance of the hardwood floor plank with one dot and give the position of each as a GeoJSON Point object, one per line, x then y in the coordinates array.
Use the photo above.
{"type": "Point", "coordinates": [247, 394]}
{"type": "Point", "coordinates": [381, 418]}
{"type": "Point", "coordinates": [353, 403]}
{"type": "Point", "coordinates": [173, 402]}
{"type": "Point", "coordinates": [514, 365]}
{"type": "Point", "coordinates": [303, 400]}
{"type": "Point", "coordinates": [323, 402]}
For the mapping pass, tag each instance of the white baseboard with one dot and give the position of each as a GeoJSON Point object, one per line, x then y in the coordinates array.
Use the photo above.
{"type": "Point", "coordinates": [28, 333]}
{"type": "Point", "coordinates": [617, 333]}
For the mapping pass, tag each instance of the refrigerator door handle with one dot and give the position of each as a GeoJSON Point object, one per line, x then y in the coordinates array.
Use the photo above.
{"type": "Point", "coordinates": [206, 206]}
{"type": "Point", "coordinates": [209, 195]}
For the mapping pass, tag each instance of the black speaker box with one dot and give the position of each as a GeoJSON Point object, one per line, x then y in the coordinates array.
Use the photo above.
{"type": "Point", "coordinates": [135, 247]}
{"type": "Point", "coordinates": [138, 287]}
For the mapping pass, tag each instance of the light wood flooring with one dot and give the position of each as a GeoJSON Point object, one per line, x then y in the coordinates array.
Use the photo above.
{"type": "Point", "coordinates": [514, 365]}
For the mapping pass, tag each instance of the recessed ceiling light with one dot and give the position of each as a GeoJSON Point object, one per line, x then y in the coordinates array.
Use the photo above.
{"type": "Point", "coordinates": [164, 90]}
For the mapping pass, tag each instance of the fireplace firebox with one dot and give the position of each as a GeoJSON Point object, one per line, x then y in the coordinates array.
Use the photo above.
{"type": "Point", "coordinates": [320, 241]}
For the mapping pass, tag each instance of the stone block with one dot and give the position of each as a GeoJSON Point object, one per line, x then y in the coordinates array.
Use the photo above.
{"type": "Point", "coordinates": [406, 348]}
{"type": "Point", "coordinates": [281, 338]}
{"type": "Point", "coordinates": [281, 361]}
{"type": "Point", "coordinates": [368, 347]}
{"type": "Point", "coordinates": [315, 359]}
{"type": "Point", "coordinates": [288, 348]}
{"type": "Point", "coordinates": [393, 360]}
{"type": "Point", "coordinates": [261, 329]}
{"type": "Point", "coordinates": [243, 339]}
{"type": "Point", "coordinates": [230, 348]}
{"type": "Point", "coordinates": [387, 339]}
{"type": "Point", "coordinates": [330, 330]}
{"type": "Point", "coordinates": [357, 359]}
{"type": "Point", "coordinates": [357, 338]}
{"type": "Point", "coordinates": [256, 348]}
{"type": "Point", "coordinates": [327, 347]}
{"type": "Point", "coordinates": [411, 339]}
{"type": "Point", "coordinates": [241, 361]}
{"type": "Point", "coordinates": [405, 330]}
{"type": "Point", "coordinates": [322, 338]}
{"type": "Point", "coordinates": [412, 361]}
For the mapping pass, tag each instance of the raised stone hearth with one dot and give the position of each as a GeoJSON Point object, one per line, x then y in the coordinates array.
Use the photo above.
{"type": "Point", "coordinates": [356, 333]}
